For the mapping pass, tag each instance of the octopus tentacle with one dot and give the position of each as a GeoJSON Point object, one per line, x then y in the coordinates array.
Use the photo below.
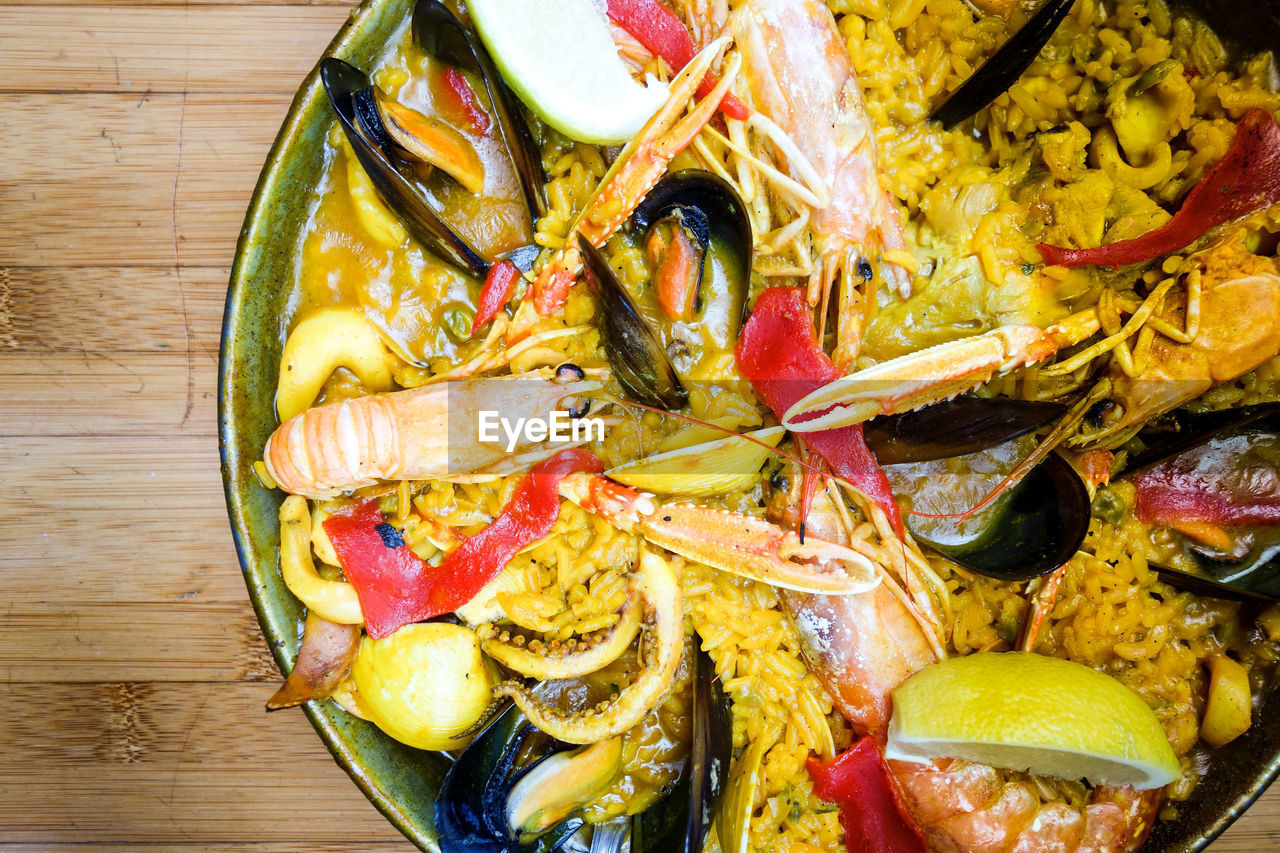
{"type": "Point", "coordinates": [660, 648]}
{"type": "Point", "coordinates": [568, 659]}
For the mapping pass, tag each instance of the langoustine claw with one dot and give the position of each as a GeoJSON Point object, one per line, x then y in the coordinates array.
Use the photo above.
{"type": "Point", "coordinates": [734, 543]}
{"type": "Point", "coordinates": [642, 162]}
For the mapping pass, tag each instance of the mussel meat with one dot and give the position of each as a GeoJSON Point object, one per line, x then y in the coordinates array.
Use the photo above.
{"type": "Point", "coordinates": [679, 218]}
{"type": "Point", "coordinates": [1030, 530]}
{"type": "Point", "coordinates": [439, 32]}
{"type": "Point", "coordinates": [517, 790]}
{"type": "Point", "coordinates": [351, 94]}
{"type": "Point", "coordinates": [692, 220]}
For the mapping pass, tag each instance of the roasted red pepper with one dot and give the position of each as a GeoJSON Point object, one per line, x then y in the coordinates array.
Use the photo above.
{"type": "Point", "coordinates": [872, 813]}
{"type": "Point", "coordinates": [664, 34]}
{"type": "Point", "coordinates": [499, 284]}
{"type": "Point", "coordinates": [461, 102]}
{"type": "Point", "coordinates": [1246, 179]}
{"type": "Point", "coordinates": [1224, 481]}
{"type": "Point", "coordinates": [396, 588]}
{"type": "Point", "coordinates": [778, 353]}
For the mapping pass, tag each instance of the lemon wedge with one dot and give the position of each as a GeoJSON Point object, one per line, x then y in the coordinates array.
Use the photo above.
{"type": "Point", "coordinates": [1023, 711]}
{"type": "Point", "coordinates": [700, 470]}
{"type": "Point", "coordinates": [558, 57]}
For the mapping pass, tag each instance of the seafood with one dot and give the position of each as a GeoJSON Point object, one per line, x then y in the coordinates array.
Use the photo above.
{"type": "Point", "coordinates": [818, 105]}
{"type": "Point", "coordinates": [1234, 328]}
{"type": "Point", "coordinates": [416, 434]}
{"type": "Point", "coordinates": [660, 648]}
{"type": "Point", "coordinates": [641, 163]}
{"type": "Point", "coordinates": [558, 660]}
{"type": "Point", "coordinates": [514, 785]}
{"type": "Point", "coordinates": [735, 543]}
{"type": "Point", "coordinates": [1234, 285]}
{"type": "Point", "coordinates": [863, 646]}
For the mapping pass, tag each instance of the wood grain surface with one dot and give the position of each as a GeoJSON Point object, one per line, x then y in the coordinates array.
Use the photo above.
{"type": "Point", "coordinates": [132, 671]}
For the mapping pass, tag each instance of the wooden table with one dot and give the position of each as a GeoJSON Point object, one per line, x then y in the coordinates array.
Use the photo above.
{"type": "Point", "coordinates": [132, 670]}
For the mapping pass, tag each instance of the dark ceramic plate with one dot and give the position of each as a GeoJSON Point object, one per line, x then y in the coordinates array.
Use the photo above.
{"type": "Point", "coordinates": [402, 781]}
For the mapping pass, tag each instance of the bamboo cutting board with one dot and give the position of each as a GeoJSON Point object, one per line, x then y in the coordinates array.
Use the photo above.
{"type": "Point", "coordinates": [132, 671]}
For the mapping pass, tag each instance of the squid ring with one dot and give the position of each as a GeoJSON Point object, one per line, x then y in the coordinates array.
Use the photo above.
{"type": "Point", "coordinates": [332, 600]}
{"type": "Point", "coordinates": [321, 343]}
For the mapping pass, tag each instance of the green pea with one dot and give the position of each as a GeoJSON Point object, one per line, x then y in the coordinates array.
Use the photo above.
{"type": "Point", "coordinates": [457, 320]}
{"type": "Point", "coordinates": [1108, 506]}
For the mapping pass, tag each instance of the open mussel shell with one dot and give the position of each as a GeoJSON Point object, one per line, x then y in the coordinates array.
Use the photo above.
{"type": "Point", "coordinates": [708, 207]}
{"type": "Point", "coordinates": [1181, 431]}
{"type": "Point", "coordinates": [439, 32]}
{"type": "Point", "coordinates": [1268, 591]}
{"type": "Point", "coordinates": [638, 360]}
{"type": "Point", "coordinates": [350, 93]}
{"type": "Point", "coordinates": [710, 195]}
{"type": "Point", "coordinates": [955, 427]}
{"type": "Point", "coordinates": [679, 823]}
{"type": "Point", "coordinates": [1033, 529]}
{"type": "Point", "coordinates": [1005, 66]}
{"type": "Point", "coordinates": [471, 807]}
{"type": "Point", "coordinates": [1256, 575]}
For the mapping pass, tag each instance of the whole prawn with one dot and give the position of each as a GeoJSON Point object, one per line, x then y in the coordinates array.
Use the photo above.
{"type": "Point", "coordinates": [800, 76]}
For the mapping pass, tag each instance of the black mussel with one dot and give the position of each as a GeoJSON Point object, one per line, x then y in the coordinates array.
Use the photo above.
{"type": "Point", "coordinates": [1005, 66]}
{"type": "Point", "coordinates": [514, 789]}
{"type": "Point", "coordinates": [1215, 477]}
{"type": "Point", "coordinates": [471, 809]}
{"type": "Point", "coordinates": [1180, 431]}
{"type": "Point", "coordinates": [680, 822]}
{"type": "Point", "coordinates": [439, 32]}
{"type": "Point", "coordinates": [1210, 588]}
{"type": "Point", "coordinates": [955, 427]}
{"type": "Point", "coordinates": [351, 94]}
{"type": "Point", "coordinates": [1032, 529]}
{"type": "Point", "coordinates": [1029, 530]}
{"type": "Point", "coordinates": [638, 360]}
{"type": "Point", "coordinates": [680, 217]}
{"type": "Point", "coordinates": [419, 139]}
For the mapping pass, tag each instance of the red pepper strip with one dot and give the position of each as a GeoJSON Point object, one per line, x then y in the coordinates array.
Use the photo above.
{"type": "Point", "coordinates": [461, 101]}
{"type": "Point", "coordinates": [498, 287]}
{"type": "Point", "coordinates": [1225, 481]}
{"type": "Point", "coordinates": [664, 34]}
{"type": "Point", "coordinates": [872, 814]}
{"type": "Point", "coordinates": [396, 588]}
{"type": "Point", "coordinates": [1246, 179]}
{"type": "Point", "coordinates": [778, 352]}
